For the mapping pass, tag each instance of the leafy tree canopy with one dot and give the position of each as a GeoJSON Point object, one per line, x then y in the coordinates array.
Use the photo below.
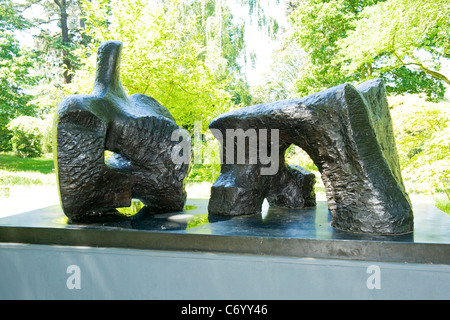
{"type": "Point", "coordinates": [405, 34]}
{"type": "Point", "coordinates": [352, 41]}
{"type": "Point", "coordinates": [15, 77]}
{"type": "Point", "coordinates": [166, 55]}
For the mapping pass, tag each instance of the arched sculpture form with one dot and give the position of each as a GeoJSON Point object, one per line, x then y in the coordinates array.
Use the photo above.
{"type": "Point", "coordinates": [348, 133]}
{"type": "Point", "coordinates": [136, 128]}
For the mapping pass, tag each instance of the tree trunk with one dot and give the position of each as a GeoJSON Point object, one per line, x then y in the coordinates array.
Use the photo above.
{"type": "Point", "coordinates": [62, 4]}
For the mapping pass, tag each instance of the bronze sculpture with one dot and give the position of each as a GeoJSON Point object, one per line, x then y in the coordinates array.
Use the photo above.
{"type": "Point", "coordinates": [348, 133]}
{"type": "Point", "coordinates": [137, 129]}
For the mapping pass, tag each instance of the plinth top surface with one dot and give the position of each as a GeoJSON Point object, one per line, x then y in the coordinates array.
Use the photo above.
{"type": "Point", "coordinates": [292, 232]}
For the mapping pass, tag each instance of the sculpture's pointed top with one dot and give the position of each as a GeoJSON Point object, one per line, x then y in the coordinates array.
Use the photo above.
{"type": "Point", "coordinates": [108, 68]}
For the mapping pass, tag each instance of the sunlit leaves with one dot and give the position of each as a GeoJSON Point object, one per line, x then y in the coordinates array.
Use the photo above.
{"type": "Point", "coordinates": [318, 25]}
{"type": "Point", "coordinates": [399, 30]}
{"type": "Point", "coordinates": [352, 41]}
{"type": "Point", "coordinates": [423, 140]}
{"type": "Point", "coordinates": [161, 57]}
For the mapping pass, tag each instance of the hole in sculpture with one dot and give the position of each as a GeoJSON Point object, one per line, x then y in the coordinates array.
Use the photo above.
{"type": "Point", "coordinates": [297, 156]}
{"type": "Point", "coordinates": [116, 161]}
{"type": "Point", "coordinates": [137, 205]}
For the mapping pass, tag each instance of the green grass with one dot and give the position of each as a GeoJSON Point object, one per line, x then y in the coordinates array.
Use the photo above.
{"type": "Point", "coordinates": [442, 203]}
{"type": "Point", "coordinates": [17, 171]}
{"type": "Point", "coordinates": [12, 163]}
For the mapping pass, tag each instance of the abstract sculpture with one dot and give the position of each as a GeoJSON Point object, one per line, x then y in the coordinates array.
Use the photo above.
{"type": "Point", "coordinates": [136, 128]}
{"type": "Point", "coordinates": [347, 132]}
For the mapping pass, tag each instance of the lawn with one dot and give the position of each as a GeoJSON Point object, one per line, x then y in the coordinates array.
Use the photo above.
{"type": "Point", "coordinates": [11, 163]}
{"type": "Point", "coordinates": [17, 171]}
{"type": "Point", "coordinates": [443, 203]}
{"type": "Point", "coordinates": [26, 184]}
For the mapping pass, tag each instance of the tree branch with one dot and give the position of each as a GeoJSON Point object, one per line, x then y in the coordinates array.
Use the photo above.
{"type": "Point", "coordinates": [26, 6]}
{"type": "Point", "coordinates": [398, 58]}
{"type": "Point", "coordinates": [447, 51]}
{"type": "Point", "coordinates": [41, 22]}
{"type": "Point", "coordinates": [432, 73]}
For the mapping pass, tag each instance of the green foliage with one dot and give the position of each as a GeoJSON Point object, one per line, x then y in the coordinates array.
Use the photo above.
{"type": "Point", "coordinates": [318, 25]}
{"type": "Point", "coordinates": [397, 27]}
{"type": "Point", "coordinates": [27, 136]}
{"type": "Point", "coordinates": [352, 41]}
{"type": "Point", "coordinates": [404, 80]}
{"type": "Point", "coordinates": [443, 204]}
{"type": "Point", "coordinates": [399, 33]}
{"type": "Point", "coordinates": [204, 173]}
{"type": "Point", "coordinates": [187, 54]}
{"type": "Point", "coordinates": [14, 76]}
{"type": "Point", "coordinates": [10, 19]}
{"type": "Point", "coordinates": [206, 160]}
{"type": "Point", "coordinates": [56, 42]}
{"type": "Point", "coordinates": [5, 134]}
{"type": "Point", "coordinates": [166, 55]}
{"type": "Point", "coordinates": [14, 79]}
{"type": "Point", "coordinates": [295, 155]}
{"type": "Point", "coordinates": [422, 130]}
{"type": "Point", "coordinates": [279, 82]}
{"type": "Point", "coordinates": [15, 64]}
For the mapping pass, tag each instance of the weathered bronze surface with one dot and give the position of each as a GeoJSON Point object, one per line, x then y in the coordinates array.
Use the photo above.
{"type": "Point", "coordinates": [136, 128]}
{"type": "Point", "coordinates": [348, 133]}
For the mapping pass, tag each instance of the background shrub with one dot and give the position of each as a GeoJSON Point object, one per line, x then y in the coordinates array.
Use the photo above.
{"type": "Point", "coordinates": [27, 136]}
{"type": "Point", "coordinates": [47, 133]}
{"type": "Point", "coordinates": [5, 134]}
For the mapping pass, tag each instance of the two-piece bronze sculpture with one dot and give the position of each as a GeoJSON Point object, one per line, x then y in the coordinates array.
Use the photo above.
{"type": "Point", "coordinates": [346, 131]}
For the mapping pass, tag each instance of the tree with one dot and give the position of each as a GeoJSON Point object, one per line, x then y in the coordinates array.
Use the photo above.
{"type": "Point", "coordinates": [60, 34]}
{"type": "Point", "coordinates": [318, 25]}
{"type": "Point", "coordinates": [279, 82]}
{"type": "Point", "coordinates": [405, 80]}
{"type": "Point", "coordinates": [403, 39]}
{"type": "Point", "coordinates": [65, 40]}
{"type": "Point", "coordinates": [423, 141]}
{"type": "Point", "coordinates": [163, 57]}
{"type": "Point", "coordinates": [353, 41]}
{"type": "Point", "coordinates": [15, 78]}
{"type": "Point", "coordinates": [224, 43]}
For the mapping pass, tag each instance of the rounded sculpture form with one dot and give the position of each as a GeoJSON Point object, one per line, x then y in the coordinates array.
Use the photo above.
{"type": "Point", "coordinates": [136, 129]}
